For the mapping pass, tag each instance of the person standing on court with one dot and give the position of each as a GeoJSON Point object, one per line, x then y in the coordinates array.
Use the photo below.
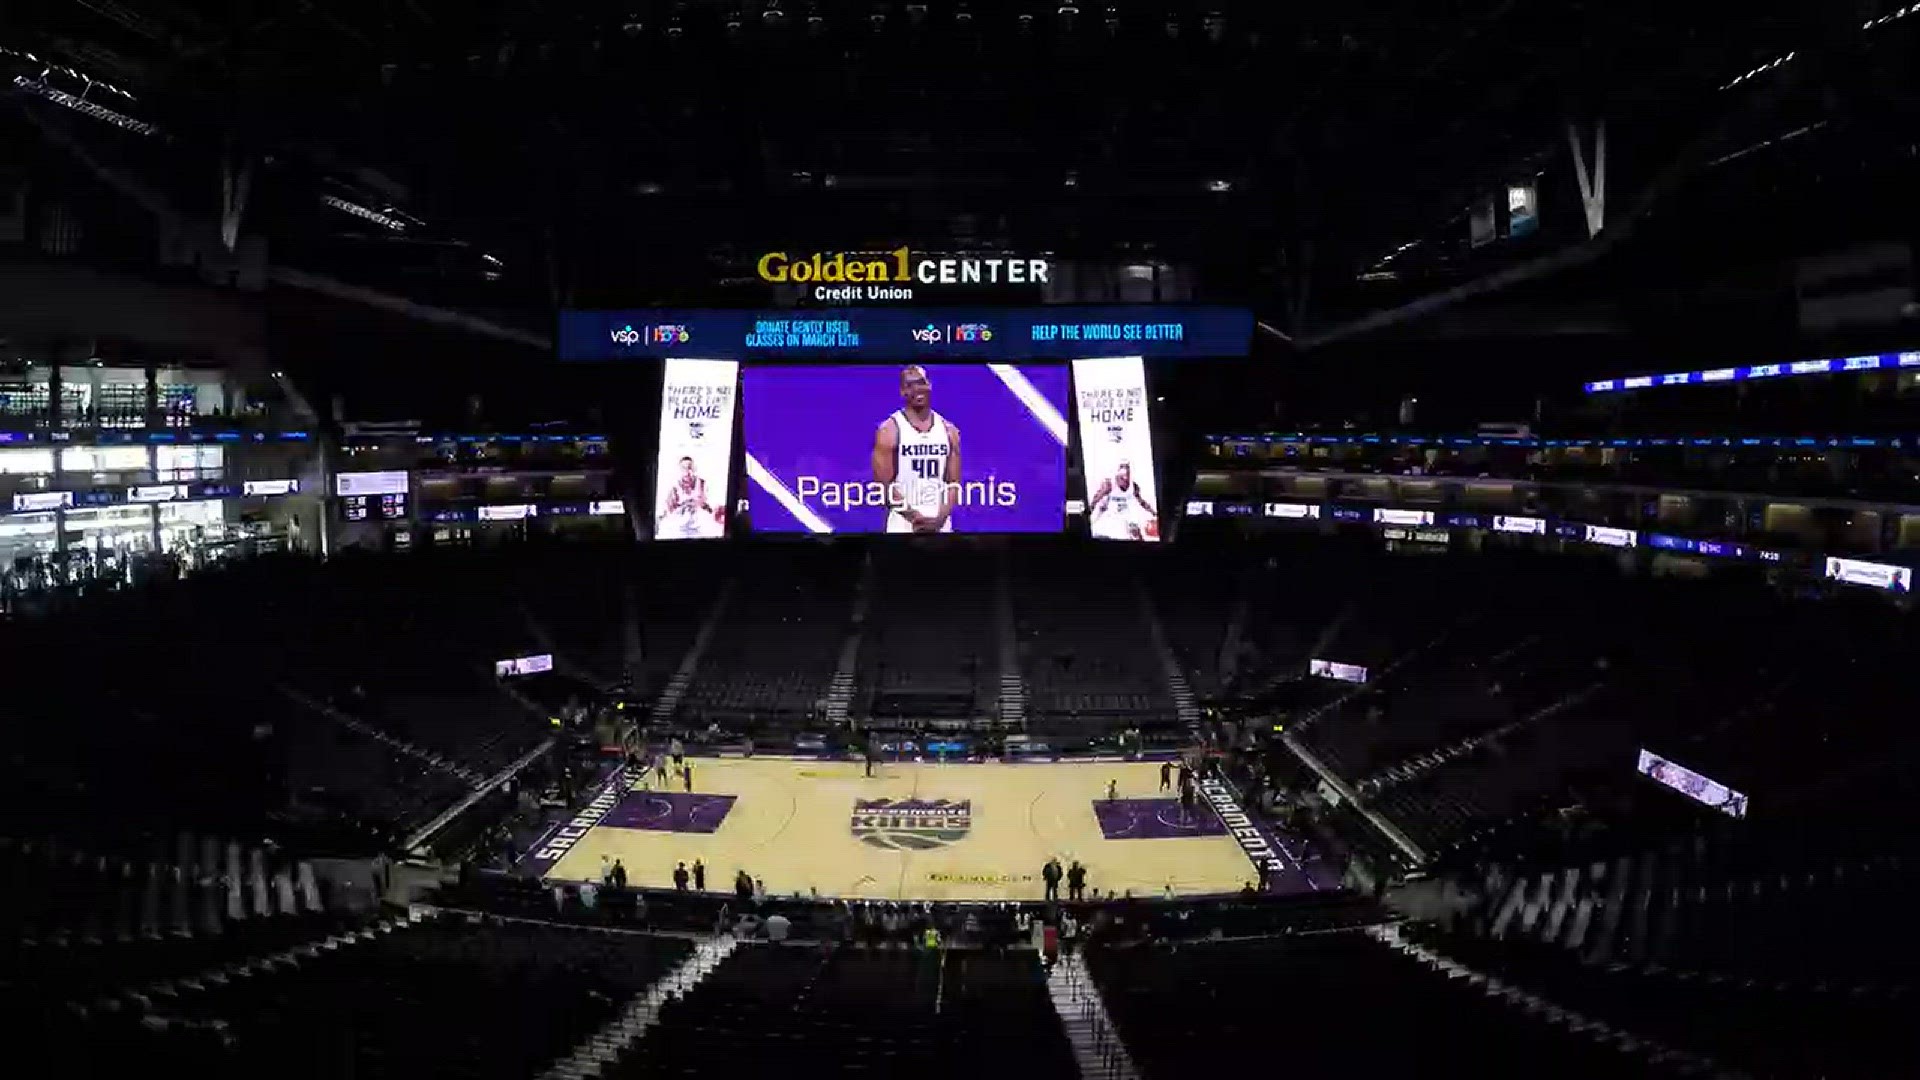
{"type": "Point", "coordinates": [743, 887]}
{"type": "Point", "coordinates": [1076, 881]}
{"type": "Point", "coordinates": [1266, 873]}
{"type": "Point", "coordinates": [679, 751]}
{"type": "Point", "coordinates": [1166, 776]}
{"type": "Point", "coordinates": [1050, 874]}
{"type": "Point", "coordinates": [686, 773]}
{"type": "Point", "coordinates": [699, 876]}
{"type": "Point", "coordinates": [680, 877]}
{"type": "Point", "coordinates": [660, 767]}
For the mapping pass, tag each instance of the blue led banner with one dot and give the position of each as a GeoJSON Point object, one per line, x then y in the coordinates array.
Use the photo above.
{"type": "Point", "coordinates": [1834, 366]}
{"type": "Point", "coordinates": [890, 334]}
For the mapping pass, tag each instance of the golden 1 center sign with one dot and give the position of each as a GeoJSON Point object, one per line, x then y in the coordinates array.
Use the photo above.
{"type": "Point", "coordinates": [844, 276]}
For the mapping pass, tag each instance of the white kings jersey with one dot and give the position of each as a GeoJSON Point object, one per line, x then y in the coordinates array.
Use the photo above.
{"type": "Point", "coordinates": [686, 518]}
{"type": "Point", "coordinates": [920, 469]}
{"type": "Point", "coordinates": [1123, 510]}
{"type": "Point", "coordinates": [687, 501]}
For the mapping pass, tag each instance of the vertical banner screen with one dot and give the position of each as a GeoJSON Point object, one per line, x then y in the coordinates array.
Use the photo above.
{"type": "Point", "coordinates": [1116, 448]}
{"type": "Point", "coordinates": [696, 446]}
{"type": "Point", "coordinates": [906, 448]}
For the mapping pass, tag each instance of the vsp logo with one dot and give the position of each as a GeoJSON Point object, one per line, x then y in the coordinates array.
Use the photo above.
{"type": "Point", "coordinates": [929, 335]}
{"type": "Point", "coordinates": [626, 335]}
{"type": "Point", "coordinates": [668, 334]}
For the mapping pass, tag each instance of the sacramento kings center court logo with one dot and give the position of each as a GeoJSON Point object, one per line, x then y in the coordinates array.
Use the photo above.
{"type": "Point", "coordinates": [911, 824]}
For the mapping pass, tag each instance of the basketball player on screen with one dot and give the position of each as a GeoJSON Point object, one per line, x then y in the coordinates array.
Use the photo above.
{"type": "Point", "coordinates": [916, 459]}
{"type": "Point", "coordinates": [687, 510]}
{"type": "Point", "coordinates": [1121, 507]}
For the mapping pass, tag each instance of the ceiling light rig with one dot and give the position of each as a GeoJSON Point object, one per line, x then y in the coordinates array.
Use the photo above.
{"type": "Point", "coordinates": [1910, 9]}
{"type": "Point", "coordinates": [387, 218]}
{"type": "Point", "coordinates": [81, 105]}
{"type": "Point", "coordinates": [1761, 70]}
{"type": "Point", "coordinates": [1381, 265]}
{"type": "Point", "coordinates": [49, 68]}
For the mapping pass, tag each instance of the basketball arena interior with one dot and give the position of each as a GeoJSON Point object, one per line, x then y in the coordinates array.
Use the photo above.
{"type": "Point", "coordinates": [870, 538]}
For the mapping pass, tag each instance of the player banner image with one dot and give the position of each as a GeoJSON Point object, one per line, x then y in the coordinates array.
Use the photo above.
{"type": "Point", "coordinates": [1116, 448]}
{"type": "Point", "coordinates": [696, 445]}
{"type": "Point", "coordinates": [903, 448]}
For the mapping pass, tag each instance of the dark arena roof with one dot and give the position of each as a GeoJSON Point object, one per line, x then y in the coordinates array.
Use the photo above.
{"type": "Point", "coordinates": [1420, 509]}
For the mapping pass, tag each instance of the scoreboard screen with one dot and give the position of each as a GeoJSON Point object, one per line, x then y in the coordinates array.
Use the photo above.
{"type": "Point", "coordinates": [373, 507]}
{"type": "Point", "coordinates": [975, 448]}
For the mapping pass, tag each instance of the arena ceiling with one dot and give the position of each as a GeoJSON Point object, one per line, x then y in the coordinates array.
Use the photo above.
{"type": "Point", "coordinates": [526, 155]}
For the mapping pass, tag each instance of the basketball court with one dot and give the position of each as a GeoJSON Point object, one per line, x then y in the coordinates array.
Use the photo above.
{"type": "Point", "coordinates": [914, 831]}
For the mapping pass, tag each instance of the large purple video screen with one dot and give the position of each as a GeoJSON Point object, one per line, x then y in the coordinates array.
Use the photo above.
{"type": "Point", "coordinates": [965, 448]}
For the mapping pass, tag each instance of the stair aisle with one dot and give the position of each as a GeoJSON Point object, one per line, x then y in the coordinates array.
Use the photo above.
{"type": "Point", "coordinates": [605, 1046]}
{"type": "Point", "coordinates": [1186, 708]}
{"type": "Point", "coordinates": [1013, 688]}
{"type": "Point", "coordinates": [669, 700]}
{"type": "Point", "coordinates": [1096, 1046]}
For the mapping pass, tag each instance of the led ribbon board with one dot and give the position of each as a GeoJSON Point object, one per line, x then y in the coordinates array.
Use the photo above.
{"type": "Point", "coordinates": [892, 335]}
